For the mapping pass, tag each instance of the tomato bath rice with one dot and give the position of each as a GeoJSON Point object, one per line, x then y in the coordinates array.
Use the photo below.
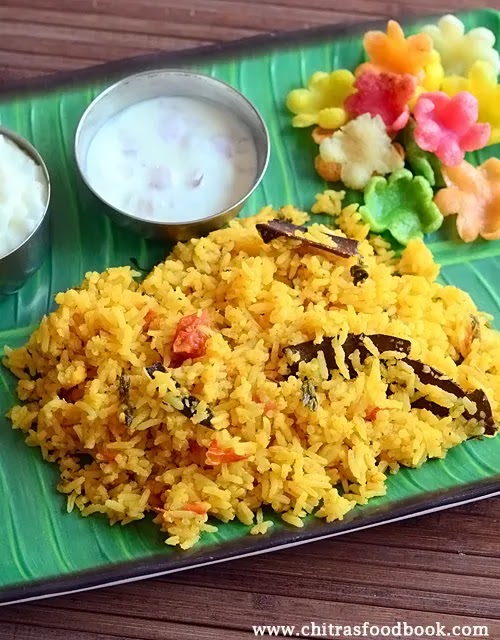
{"type": "Point", "coordinates": [230, 432]}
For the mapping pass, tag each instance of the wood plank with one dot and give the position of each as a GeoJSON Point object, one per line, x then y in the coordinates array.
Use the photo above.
{"type": "Point", "coordinates": [457, 530]}
{"type": "Point", "coordinates": [331, 555]}
{"type": "Point", "coordinates": [42, 621]}
{"type": "Point", "coordinates": [136, 23]}
{"type": "Point", "coordinates": [26, 61]}
{"type": "Point", "coordinates": [10, 630]}
{"type": "Point", "coordinates": [221, 609]}
{"type": "Point", "coordinates": [389, 8]}
{"type": "Point", "coordinates": [296, 11]}
{"type": "Point", "coordinates": [154, 25]}
{"type": "Point", "coordinates": [286, 597]}
{"type": "Point", "coordinates": [365, 589]}
{"type": "Point", "coordinates": [235, 13]}
{"type": "Point", "coordinates": [385, 7]}
{"type": "Point", "coordinates": [85, 43]}
{"type": "Point", "coordinates": [90, 36]}
{"type": "Point", "coordinates": [10, 74]}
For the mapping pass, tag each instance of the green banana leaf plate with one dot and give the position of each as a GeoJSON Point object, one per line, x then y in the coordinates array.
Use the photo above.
{"type": "Point", "coordinates": [45, 551]}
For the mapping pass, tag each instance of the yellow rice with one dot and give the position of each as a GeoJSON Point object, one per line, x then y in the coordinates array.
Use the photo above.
{"type": "Point", "coordinates": [260, 298]}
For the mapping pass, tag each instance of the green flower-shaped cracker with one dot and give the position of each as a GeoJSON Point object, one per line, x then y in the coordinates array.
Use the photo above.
{"type": "Point", "coordinates": [422, 163]}
{"type": "Point", "coordinates": [401, 204]}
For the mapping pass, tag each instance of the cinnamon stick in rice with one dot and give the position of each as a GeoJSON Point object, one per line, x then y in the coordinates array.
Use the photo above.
{"type": "Point", "coordinates": [343, 247]}
{"type": "Point", "coordinates": [307, 351]}
{"type": "Point", "coordinates": [354, 342]}
{"type": "Point", "coordinates": [429, 375]}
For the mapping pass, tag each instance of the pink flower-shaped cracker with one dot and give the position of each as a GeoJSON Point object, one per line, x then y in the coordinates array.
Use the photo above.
{"type": "Point", "coordinates": [383, 94]}
{"type": "Point", "coordinates": [448, 126]}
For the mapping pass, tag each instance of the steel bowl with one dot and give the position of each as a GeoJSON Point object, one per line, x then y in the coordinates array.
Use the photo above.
{"type": "Point", "coordinates": [160, 83]}
{"type": "Point", "coordinates": [23, 261]}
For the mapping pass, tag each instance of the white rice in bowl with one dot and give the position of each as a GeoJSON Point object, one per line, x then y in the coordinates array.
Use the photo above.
{"type": "Point", "coordinates": [23, 195]}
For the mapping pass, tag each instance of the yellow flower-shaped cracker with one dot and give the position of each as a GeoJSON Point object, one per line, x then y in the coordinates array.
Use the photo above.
{"type": "Point", "coordinates": [322, 103]}
{"type": "Point", "coordinates": [431, 78]}
{"type": "Point", "coordinates": [362, 148]}
{"type": "Point", "coordinates": [482, 83]}
{"type": "Point", "coordinates": [460, 50]}
{"type": "Point", "coordinates": [433, 73]}
{"type": "Point", "coordinates": [393, 53]}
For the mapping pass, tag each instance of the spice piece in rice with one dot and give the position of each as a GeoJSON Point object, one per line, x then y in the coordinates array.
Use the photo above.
{"type": "Point", "coordinates": [359, 274]}
{"type": "Point", "coordinates": [309, 350]}
{"type": "Point", "coordinates": [431, 376]}
{"type": "Point", "coordinates": [338, 245]}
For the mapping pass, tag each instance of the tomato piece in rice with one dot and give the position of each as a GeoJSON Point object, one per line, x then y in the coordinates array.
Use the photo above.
{"type": "Point", "coordinates": [190, 340]}
{"type": "Point", "coordinates": [371, 414]}
{"type": "Point", "coordinates": [195, 507]}
{"type": "Point", "coordinates": [217, 455]}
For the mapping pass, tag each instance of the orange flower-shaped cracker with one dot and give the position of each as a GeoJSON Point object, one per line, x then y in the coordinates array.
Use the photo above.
{"type": "Point", "coordinates": [393, 53]}
{"type": "Point", "coordinates": [473, 195]}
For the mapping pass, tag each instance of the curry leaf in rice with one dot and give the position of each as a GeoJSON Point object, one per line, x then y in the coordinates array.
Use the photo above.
{"type": "Point", "coordinates": [128, 416]}
{"type": "Point", "coordinates": [309, 397]}
{"type": "Point", "coordinates": [157, 366]}
{"type": "Point", "coordinates": [190, 408]}
{"type": "Point", "coordinates": [124, 386]}
{"type": "Point", "coordinates": [475, 327]}
{"type": "Point", "coordinates": [84, 459]}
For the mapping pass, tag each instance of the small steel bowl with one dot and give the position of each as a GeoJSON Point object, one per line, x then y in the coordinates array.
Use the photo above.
{"type": "Point", "coordinates": [160, 83]}
{"type": "Point", "coordinates": [25, 260]}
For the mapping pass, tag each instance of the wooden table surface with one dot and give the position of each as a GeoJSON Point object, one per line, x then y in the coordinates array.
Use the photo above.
{"type": "Point", "coordinates": [440, 568]}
